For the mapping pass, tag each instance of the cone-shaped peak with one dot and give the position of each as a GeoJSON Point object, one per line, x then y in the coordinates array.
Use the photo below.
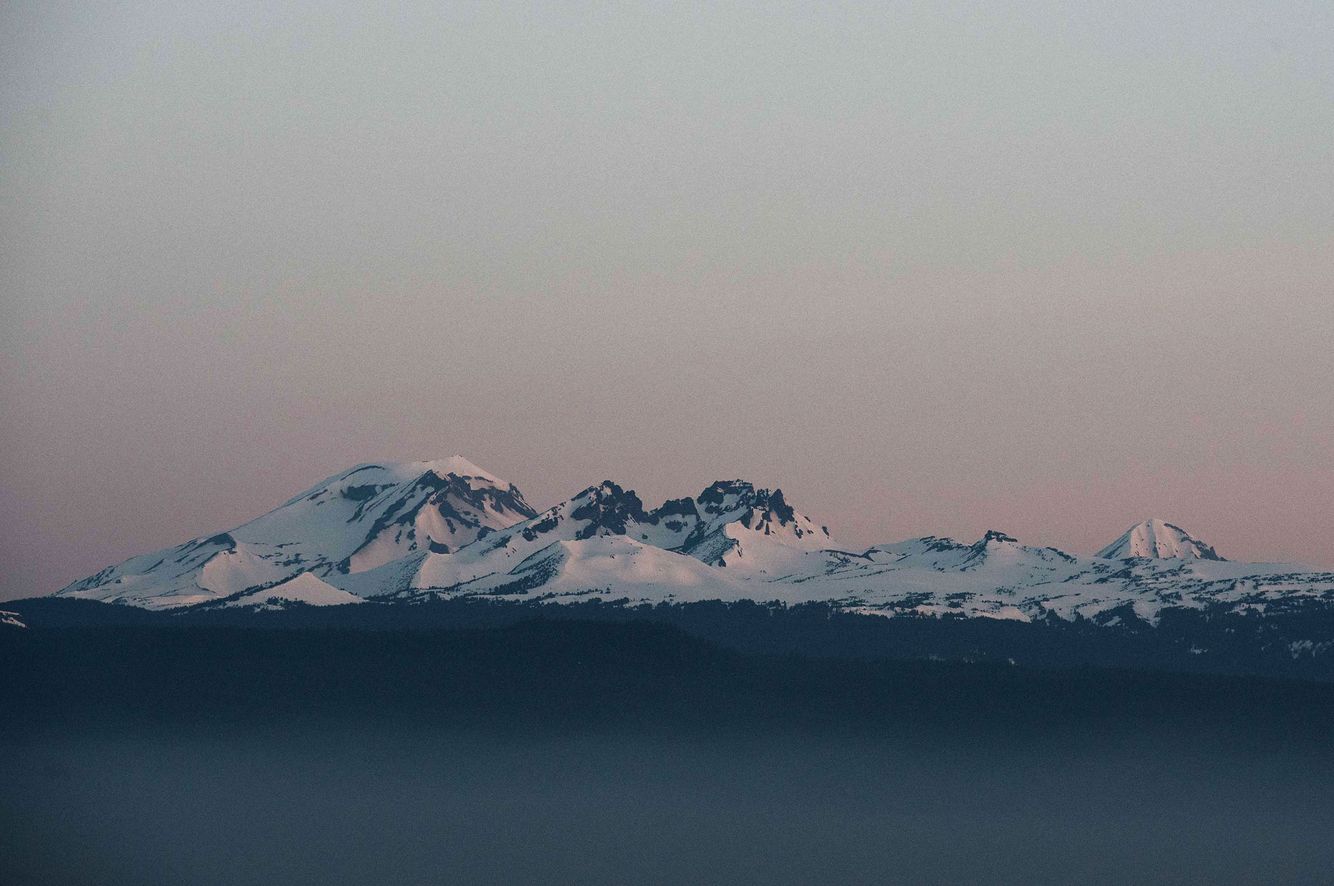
{"type": "Point", "coordinates": [1158, 540]}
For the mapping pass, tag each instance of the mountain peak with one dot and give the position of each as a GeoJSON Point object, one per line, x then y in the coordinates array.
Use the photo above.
{"type": "Point", "coordinates": [352, 522]}
{"type": "Point", "coordinates": [459, 467]}
{"type": "Point", "coordinates": [724, 496]}
{"type": "Point", "coordinates": [608, 508]}
{"type": "Point", "coordinates": [738, 522]}
{"type": "Point", "coordinates": [995, 535]}
{"type": "Point", "coordinates": [1159, 540]}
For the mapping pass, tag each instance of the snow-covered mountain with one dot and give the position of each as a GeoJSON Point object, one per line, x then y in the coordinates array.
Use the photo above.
{"type": "Point", "coordinates": [997, 577]}
{"type": "Point", "coordinates": [603, 540]}
{"type": "Point", "coordinates": [352, 522]}
{"type": "Point", "coordinates": [1158, 540]}
{"type": "Point", "coordinates": [755, 530]}
{"type": "Point", "coordinates": [418, 530]}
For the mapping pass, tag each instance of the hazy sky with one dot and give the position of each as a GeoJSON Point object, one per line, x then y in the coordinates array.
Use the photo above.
{"type": "Point", "coordinates": [930, 267]}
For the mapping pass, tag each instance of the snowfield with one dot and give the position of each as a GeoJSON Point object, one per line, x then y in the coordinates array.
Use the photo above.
{"type": "Point", "coordinates": [447, 528]}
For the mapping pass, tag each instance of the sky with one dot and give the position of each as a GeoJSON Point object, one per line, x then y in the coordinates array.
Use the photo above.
{"type": "Point", "coordinates": [932, 268]}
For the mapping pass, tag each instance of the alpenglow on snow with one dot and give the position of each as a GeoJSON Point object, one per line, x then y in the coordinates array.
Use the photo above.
{"type": "Point", "coordinates": [405, 531]}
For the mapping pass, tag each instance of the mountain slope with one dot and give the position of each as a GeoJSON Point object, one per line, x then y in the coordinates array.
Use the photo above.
{"type": "Point", "coordinates": [742, 527]}
{"type": "Point", "coordinates": [731, 525]}
{"type": "Point", "coordinates": [367, 516]}
{"type": "Point", "coordinates": [446, 529]}
{"type": "Point", "coordinates": [998, 577]}
{"type": "Point", "coordinates": [304, 589]}
{"type": "Point", "coordinates": [1158, 540]}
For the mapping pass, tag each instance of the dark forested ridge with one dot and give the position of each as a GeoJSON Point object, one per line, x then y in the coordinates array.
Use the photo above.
{"type": "Point", "coordinates": [592, 674]}
{"type": "Point", "coordinates": [1293, 643]}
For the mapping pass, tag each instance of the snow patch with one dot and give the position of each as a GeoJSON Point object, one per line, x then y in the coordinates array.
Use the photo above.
{"type": "Point", "coordinates": [304, 588]}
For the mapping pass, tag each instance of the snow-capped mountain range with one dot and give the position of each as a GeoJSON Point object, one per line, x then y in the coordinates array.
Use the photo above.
{"type": "Point", "coordinates": [416, 530]}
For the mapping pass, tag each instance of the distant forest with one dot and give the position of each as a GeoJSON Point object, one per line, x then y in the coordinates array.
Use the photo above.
{"type": "Point", "coordinates": [1295, 643]}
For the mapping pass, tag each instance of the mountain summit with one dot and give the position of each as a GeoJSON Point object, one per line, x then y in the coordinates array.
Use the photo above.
{"type": "Point", "coordinates": [1158, 540]}
{"type": "Point", "coordinates": [352, 522]}
{"type": "Point", "coordinates": [415, 531]}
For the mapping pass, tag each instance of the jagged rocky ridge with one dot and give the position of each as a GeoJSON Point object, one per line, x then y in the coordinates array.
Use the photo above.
{"type": "Point", "coordinates": [409, 531]}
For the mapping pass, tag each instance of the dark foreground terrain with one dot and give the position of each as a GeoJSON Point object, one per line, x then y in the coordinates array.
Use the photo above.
{"type": "Point", "coordinates": [1290, 640]}
{"type": "Point", "coordinates": [602, 752]}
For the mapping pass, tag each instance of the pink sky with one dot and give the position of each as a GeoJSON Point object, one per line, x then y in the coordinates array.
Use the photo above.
{"type": "Point", "coordinates": [1049, 271]}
